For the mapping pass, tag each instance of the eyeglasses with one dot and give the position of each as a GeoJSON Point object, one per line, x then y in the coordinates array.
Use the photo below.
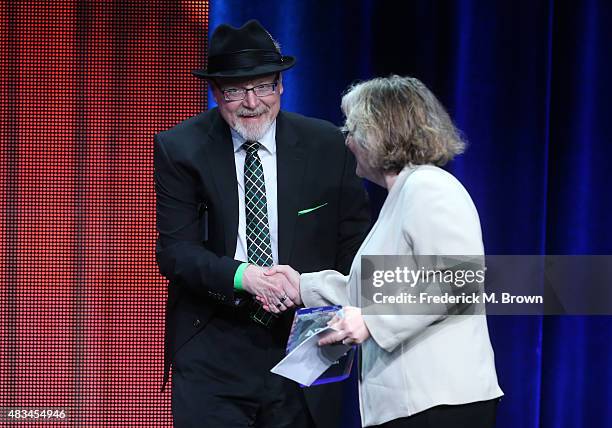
{"type": "Point", "coordinates": [346, 133]}
{"type": "Point", "coordinates": [238, 94]}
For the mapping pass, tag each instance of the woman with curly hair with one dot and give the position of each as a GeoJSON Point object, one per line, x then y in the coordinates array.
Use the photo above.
{"type": "Point", "coordinates": [431, 369]}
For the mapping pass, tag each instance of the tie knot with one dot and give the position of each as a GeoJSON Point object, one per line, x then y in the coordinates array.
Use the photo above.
{"type": "Point", "coordinates": [251, 147]}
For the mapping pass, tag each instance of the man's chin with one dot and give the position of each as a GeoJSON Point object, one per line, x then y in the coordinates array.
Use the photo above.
{"type": "Point", "coordinates": [252, 129]}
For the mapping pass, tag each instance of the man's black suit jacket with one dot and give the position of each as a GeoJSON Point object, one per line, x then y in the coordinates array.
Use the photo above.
{"type": "Point", "coordinates": [197, 213]}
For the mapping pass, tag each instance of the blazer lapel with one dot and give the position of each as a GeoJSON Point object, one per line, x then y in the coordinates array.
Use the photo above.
{"type": "Point", "coordinates": [222, 164]}
{"type": "Point", "coordinates": [290, 164]}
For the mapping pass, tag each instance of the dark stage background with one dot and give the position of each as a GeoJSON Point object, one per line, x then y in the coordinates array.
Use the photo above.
{"type": "Point", "coordinates": [86, 84]}
{"type": "Point", "coordinates": [529, 84]}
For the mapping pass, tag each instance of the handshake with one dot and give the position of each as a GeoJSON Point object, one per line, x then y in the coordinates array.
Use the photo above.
{"type": "Point", "coordinates": [277, 288]}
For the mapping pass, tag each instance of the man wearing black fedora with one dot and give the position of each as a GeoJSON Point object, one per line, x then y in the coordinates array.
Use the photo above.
{"type": "Point", "coordinates": [239, 188]}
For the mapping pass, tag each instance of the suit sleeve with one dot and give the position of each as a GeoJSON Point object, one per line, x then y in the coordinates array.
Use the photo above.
{"type": "Point", "coordinates": [180, 254]}
{"type": "Point", "coordinates": [440, 219]}
{"type": "Point", "coordinates": [324, 288]}
{"type": "Point", "coordinates": [354, 215]}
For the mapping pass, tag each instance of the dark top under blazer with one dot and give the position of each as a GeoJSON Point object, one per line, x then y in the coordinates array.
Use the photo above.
{"type": "Point", "coordinates": [195, 170]}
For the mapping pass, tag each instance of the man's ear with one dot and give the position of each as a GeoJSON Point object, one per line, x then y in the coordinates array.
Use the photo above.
{"type": "Point", "coordinates": [280, 83]}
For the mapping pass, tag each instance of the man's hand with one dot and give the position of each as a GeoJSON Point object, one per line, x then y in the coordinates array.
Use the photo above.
{"type": "Point", "coordinates": [291, 283]}
{"type": "Point", "coordinates": [269, 290]}
{"type": "Point", "coordinates": [351, 328]}
{"type": "Point", "coordinates": [290, 280]}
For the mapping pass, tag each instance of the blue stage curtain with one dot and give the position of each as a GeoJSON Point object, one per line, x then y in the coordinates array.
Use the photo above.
{"type": "Point", "coordinates": [528, 82]}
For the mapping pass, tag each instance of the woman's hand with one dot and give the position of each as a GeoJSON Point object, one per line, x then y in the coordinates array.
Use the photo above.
{"type": "Point", "coordinates": [350, 328]}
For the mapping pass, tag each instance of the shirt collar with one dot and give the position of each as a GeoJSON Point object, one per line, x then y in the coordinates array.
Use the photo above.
{"type": "Point", "coordinates": [268, 141]}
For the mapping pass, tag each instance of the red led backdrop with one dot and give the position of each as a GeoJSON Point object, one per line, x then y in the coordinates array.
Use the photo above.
{"type": "Point", "coordinates": [85, 86]}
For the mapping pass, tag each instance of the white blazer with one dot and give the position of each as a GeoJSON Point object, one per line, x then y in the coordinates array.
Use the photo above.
{"type": "Point", "coordinates": [414, 362]}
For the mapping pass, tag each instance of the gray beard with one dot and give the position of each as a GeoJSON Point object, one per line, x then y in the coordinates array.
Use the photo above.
{"type": "Point", "coordinates": [253, 132]}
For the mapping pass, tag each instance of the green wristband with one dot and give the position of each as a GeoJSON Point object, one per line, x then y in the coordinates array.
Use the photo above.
{"type": "Point", "coordinates": [238, 276]}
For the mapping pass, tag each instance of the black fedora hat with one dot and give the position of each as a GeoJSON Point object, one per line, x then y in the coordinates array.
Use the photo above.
{"type": "Point", "coordinates": [243, 52]}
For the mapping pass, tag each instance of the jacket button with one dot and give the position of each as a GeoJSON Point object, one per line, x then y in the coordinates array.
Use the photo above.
{"type": "Point", "coordinates": [196, 323]}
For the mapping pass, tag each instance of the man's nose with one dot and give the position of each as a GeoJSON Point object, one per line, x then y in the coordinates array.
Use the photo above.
{"type": "Point", "coordinates": [250, 100]}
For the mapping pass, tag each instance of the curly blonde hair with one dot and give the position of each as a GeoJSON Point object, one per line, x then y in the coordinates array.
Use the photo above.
{"type": "Point", "coordinates": [400, 122]}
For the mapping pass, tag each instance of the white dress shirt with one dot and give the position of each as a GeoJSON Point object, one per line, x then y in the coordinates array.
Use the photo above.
{"type": "Point", "coordinates": [267, 154]}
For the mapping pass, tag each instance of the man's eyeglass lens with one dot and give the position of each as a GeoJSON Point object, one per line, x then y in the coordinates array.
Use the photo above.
{"type": "Point", "coordinates": [260, 90]}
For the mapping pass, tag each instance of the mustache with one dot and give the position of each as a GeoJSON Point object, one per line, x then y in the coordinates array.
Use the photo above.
{"type": "Point", "coordinates": [258, 111]}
